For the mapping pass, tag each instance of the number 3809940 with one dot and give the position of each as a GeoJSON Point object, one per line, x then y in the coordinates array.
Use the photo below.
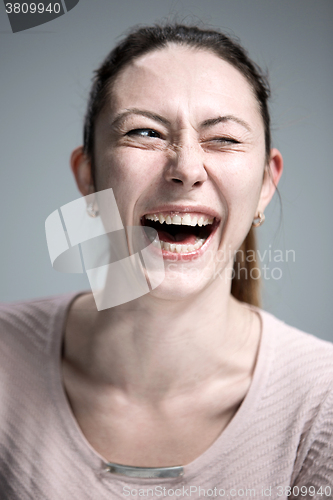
{"type": "Point", "coordinates": [32, 8]}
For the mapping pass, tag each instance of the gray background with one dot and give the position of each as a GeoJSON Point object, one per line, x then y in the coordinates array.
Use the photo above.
{"type": "Point", "coordinates": [45, 76]}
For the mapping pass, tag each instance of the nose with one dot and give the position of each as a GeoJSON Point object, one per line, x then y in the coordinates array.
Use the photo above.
{"type": "Point", "coordinates": [187, 168]}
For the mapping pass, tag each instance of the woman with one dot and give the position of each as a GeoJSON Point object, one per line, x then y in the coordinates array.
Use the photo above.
{"type": "Point", "coordinates": [191, 389]}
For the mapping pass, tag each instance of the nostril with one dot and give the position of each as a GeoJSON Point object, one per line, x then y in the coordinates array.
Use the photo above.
{"type": "Point", "coordinates": [177, 181]}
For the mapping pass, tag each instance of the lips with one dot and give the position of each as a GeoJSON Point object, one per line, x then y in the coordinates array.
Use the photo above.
{"type": "Point", "coordinates": [184, 232]}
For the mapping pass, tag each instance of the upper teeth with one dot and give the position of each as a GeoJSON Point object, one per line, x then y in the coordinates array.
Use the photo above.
{"type": "Point", "coordinates": [184, 220]}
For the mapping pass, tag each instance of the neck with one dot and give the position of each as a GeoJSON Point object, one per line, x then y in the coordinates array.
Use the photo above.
{"type": "Point", "coordinates": [153, 349]}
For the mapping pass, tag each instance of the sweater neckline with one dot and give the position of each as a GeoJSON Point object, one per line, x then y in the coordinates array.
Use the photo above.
{"type": "Point", "coordinates": [219, 448]}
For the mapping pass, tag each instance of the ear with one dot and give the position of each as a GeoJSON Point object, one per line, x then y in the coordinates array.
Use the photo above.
{"type": "Point", "coordinates": [81, 168]}
{"type": "Point", "coordinates": [273, 172]}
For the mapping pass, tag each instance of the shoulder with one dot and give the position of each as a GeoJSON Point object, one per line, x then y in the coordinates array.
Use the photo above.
{"type": "Point", "coordinates": [297, 397]}
{"type": "Point", "coordinates": [29, 323]}
{"type": "Point", "coordinates": [300, 368]}
{"type": "Point", "coordinates": [297, 350]}
{"type": "Point", "coordinates": [297, 366]}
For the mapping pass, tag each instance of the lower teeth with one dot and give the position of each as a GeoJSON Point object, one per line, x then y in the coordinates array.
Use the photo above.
{"type": "Point", "coordinates": [177, 248]}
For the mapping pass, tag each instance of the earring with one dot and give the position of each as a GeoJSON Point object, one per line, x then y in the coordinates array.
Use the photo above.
{"type": "Point", "coordinates": [92, 209]}
{"type": "Point", "coordinates": [257, 223]}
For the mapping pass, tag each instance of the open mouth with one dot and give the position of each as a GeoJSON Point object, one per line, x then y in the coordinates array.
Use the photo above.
{"type": "Point", "coordinates": [181, 232]}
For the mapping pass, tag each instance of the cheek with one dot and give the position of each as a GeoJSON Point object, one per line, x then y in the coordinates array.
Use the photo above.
{"type": "Point", "coordinates": [130, 173]}
{"type": "Point", "coordinates": [240, 182]}
{"type": "Point", "coordinates": [125, 169]}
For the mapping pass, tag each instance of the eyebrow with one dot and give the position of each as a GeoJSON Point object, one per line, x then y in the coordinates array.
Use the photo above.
{"type": "Point", "coordinates": [148, 114]}
{"type": "Point", "coordinates": [154, 116]}
{"type": "Point", "coordinates": [222, 119]}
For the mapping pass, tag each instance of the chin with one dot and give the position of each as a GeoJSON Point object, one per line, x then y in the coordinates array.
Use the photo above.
{"type": "Point", "coordinates": [183, 282]}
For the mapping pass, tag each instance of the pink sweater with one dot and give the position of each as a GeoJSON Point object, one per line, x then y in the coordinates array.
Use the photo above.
{"type": "Point", "coordinates": [281, 437]}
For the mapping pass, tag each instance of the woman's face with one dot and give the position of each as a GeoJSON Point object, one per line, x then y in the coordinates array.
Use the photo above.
{"type": "Point", "coordinates": [182, 140]}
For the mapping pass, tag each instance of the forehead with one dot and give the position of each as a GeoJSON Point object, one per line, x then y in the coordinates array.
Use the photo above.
{"type": "Point", "coordinates": [185, 81]}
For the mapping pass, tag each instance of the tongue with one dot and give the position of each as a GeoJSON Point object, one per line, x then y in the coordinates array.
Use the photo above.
{"type": "Point", "coordinates": [182, 238]}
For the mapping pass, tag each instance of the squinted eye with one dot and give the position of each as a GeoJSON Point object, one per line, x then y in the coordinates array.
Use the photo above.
{"type": "Point", "coordinates": [225, 140]}
{"type": "Point", "coordinates": [144, 132]}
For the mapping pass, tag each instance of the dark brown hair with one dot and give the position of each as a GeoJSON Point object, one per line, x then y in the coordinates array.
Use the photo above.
{"type": "Point", "coordinates": [140, 41]}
